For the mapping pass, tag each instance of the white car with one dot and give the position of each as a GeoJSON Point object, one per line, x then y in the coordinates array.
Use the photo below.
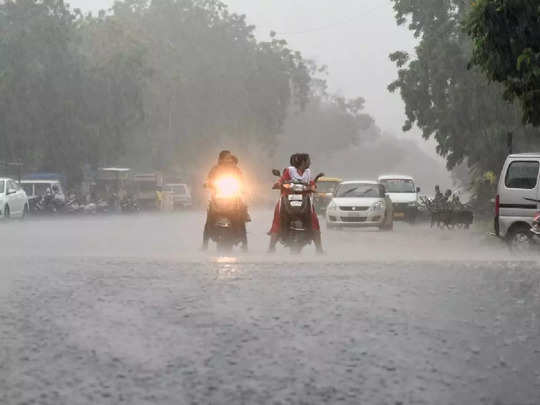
{"type": "Point", "coordinates": [404, 195]}
{"type": "Point", "coordinates": [360, 204]}
{"type": "Point", "coordinates": [13, 200]}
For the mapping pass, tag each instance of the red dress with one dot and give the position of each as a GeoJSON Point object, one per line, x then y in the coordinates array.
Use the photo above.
{"type": "Point", "coordinates": [276, 223]}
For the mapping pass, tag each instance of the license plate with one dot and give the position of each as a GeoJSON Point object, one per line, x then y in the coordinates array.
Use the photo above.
{"type": "Point", "coordinates": [295, 197]}
{"type": "Point", "coordinates": [399, 215]}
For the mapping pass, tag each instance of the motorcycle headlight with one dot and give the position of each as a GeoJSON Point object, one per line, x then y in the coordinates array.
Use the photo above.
{"type": "Point", "coordinates": [227, 187]}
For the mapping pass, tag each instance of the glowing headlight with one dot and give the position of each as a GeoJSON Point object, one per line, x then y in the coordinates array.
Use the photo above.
{"type": "Point", "coordinates": [227, 187]}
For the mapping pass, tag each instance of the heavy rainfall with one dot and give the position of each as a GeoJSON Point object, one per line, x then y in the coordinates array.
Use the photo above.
{"type": "Point", "coordinates": [255, 202]}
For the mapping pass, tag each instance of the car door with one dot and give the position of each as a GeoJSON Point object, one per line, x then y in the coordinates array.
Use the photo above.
{"type": "Point", "coordinates": [13, 198]}
{"type": "Point", "coordinates": [520, 196]}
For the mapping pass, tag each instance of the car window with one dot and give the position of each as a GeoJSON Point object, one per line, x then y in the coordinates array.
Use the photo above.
{"type": "Point", "coordinates": [2, 186]}
{"type": "Point", "coordinates": [180, 189]}
{"type": "Point", "coordinates": [399, 186]}
{"type": "Point", "coordinates": [359, 190]}
{"type": "Point", "coordinates": [522, 175]}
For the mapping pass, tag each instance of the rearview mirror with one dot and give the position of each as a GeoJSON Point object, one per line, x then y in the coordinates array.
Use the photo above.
{"type": "Point", "coordinates": [276, 173]}
{"type": "Point", "coordinates": [418, 189]}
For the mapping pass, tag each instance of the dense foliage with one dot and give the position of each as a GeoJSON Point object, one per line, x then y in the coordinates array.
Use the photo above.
{"type": "Point", "coordinates": [506, 36]}
{"type": "Point", "coordinates": [150, 84]}
{"type": "Point", "coordinates": [466, 115]}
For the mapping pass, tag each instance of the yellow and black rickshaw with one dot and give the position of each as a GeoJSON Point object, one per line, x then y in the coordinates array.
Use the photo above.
{"type": "Point", "coordinates": [326, 188]}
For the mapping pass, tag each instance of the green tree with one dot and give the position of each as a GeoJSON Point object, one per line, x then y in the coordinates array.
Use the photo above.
{"type": "Point", "coordinates": [506, 35]}
{"type": "Point", "coordinates": [457, 106]}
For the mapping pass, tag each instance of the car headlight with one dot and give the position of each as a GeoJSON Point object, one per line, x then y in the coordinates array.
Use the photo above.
{"type": "Point", "coordinates": [379, 205]}
{"type": "Point", "coordinates": [332, 205]}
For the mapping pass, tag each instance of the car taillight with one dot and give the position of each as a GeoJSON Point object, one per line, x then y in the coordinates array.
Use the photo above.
{"type": "Point", "coordinates": [497, 205]}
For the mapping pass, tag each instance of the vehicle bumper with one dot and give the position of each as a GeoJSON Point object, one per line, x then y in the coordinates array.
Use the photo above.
{"type": "Point", "coordinates": [358, 219]}
{"type": "Point", "coordinates": [404, 212]}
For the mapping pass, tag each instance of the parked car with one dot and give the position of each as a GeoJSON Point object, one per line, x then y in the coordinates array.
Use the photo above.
{"type": "Point", "coordinates": [361, 204]}
{"type": "Point", "coordinates": [517, 200]}
{"type": "Point", "coordinates": [404, 195]}
{"type": "Point", "coordinates": [181, 194]}
{"type": "Point", "coordinates": [13, 199]}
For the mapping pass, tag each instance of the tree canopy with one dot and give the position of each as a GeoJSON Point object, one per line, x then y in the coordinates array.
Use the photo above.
{"type": "Point", "coordinates": [506, 47]}
{"type": "Point", "coordinates": [465, 114]}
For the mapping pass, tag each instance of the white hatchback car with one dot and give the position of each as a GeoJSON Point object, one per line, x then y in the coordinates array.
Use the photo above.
{"type": "Point", "coordinates": [360, 204]}
{"type": "Point", "coordinates": [13, 200]}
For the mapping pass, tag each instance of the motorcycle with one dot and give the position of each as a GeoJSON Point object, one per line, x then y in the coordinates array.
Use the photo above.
{"type": "Point", "coordinates": [227, 208]}
{"type": "Point", "coordinates": [296, 213]}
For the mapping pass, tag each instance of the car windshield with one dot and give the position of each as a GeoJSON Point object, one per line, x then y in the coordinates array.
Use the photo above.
{"type": "Point", "coordinates": [177, 189]}
{"type": "Point", "coordinates": [2, 186]}
{"type": "Point", "coordinates": [359, 190]}
{"type": "Point", "coordinates": [399, 186]}
{"type": "Point", "coordinates": [327, 186]}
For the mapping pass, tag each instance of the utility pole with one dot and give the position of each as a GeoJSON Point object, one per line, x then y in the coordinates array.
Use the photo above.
{"type": "Point", "coordinates": [509, 142]}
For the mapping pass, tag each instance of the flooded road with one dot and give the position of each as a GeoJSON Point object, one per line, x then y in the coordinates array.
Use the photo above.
{"type": "Point", "coordinates": [128, 310]}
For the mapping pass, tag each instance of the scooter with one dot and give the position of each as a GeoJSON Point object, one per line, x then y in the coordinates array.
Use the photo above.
{"type": "Point", "coordinates": [296, 210]}
{"type": "Point", "coordinates": [227, 211]}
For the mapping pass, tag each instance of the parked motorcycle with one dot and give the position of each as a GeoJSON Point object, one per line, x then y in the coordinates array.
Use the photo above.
{"type": "Point", "coordinates": [296, 213]}
{"type": "Point", "coordinates": [227, 213]}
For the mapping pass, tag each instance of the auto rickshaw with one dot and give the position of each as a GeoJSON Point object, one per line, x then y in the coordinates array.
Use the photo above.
{"type": "Point", "coordinates": [326, 188]}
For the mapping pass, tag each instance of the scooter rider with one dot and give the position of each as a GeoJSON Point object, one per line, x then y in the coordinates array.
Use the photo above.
{"type": "Point", "coordinates": [299, 170]}
{"type": "Point", "coordinates": [227, 165]}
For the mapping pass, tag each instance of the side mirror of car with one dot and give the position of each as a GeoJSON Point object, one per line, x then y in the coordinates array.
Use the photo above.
{"type": "Point", "coordinates": [418, 189]}
{"type": "Point", "coordinates": [276, 173]}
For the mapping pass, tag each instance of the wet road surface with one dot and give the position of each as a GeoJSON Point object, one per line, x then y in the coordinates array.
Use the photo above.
{"type": "Point", "coordinates": [127, 310]}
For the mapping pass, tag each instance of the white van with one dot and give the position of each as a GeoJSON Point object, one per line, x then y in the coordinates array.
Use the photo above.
{"type": "Point", "coordinates": [517, 198]}
{"type": "Point", "coordinates": [404, 195]}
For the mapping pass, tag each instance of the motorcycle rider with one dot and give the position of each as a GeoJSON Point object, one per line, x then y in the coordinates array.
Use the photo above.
{"type": "Point", "coordinates": [227, 164]}
{"type": "Point", "coordinates": [299, 170]}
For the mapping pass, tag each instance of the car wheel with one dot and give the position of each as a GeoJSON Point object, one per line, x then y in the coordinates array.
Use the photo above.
{"type": "Point", "coordinates": [520, 239]}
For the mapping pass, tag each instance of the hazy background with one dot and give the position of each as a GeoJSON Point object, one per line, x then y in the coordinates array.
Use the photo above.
{"type": "Point", "coordinates": [353, 38]}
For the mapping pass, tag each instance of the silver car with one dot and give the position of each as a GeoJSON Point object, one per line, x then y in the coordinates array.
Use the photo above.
{"type": "Point", "coordinates": [13, 200]}
{"type": "Point", "coordinates": [518, 198]}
